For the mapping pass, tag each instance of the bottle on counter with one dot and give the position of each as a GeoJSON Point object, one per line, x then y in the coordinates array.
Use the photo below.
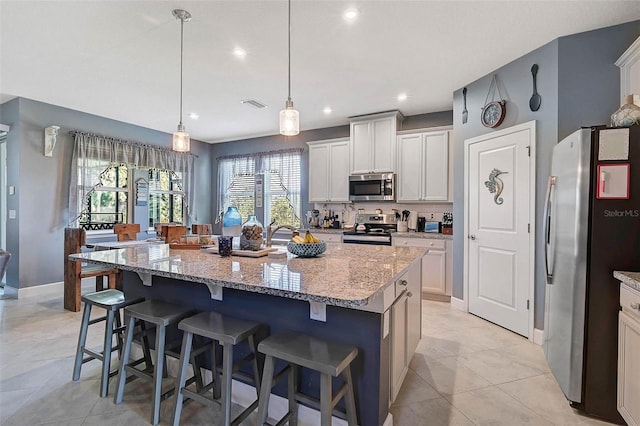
{"type": "Point", "coordinates": [232, 222]}
{"type": "Point", "coordinates": [251, 238]}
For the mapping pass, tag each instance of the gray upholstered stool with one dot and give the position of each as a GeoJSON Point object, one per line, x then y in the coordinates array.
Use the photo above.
{"type": "Point", "coordinates": [112, 301]}
{"type": "Point", "coordinates": [161, 314]}
{"type": "Point", "coordinates": [228, 332]}
{"type": "Point", "coordinates": [330, 359]}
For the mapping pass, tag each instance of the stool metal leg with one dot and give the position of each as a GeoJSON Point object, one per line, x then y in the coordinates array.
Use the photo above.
{"type": "Point", "coordinates": [82, 339]}
{"type": "Point", "coordinates": [349, 399]}
{"type": "Point", "coordinates": [265, 390]}
{"type": "Point", "coordinates": [325, 400]}
{"type": "Point", "coordinates": [157, 374]}
{"type": "Point", "coordinates": [182, 376]}
{"type": "Point", "coordinates": [292, 388]}
{"type": "Point", "coordinates": [122, 371]}
{"type": "Point", "coordinates": [227, 371]}
{"type": "Point", "coordinates": [106, 354]}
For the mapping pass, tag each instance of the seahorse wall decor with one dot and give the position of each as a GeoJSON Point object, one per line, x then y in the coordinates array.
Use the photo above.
{"type": "Point", "coordinates": [495, 185]}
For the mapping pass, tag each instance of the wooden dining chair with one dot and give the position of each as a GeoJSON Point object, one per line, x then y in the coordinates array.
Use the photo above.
{"type": "Point", "coordinates": [201, 229]}
{"type": "Point", "coordinates": [126, 231]}
{"type": "Point", "coordinates": [74, 271]}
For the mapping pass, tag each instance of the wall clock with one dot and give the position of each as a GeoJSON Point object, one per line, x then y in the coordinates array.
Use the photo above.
{"type": "Point", "coordinates": [493, 112]}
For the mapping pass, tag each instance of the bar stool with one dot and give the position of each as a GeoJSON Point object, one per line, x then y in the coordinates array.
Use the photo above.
{"type": "Point", "coordinates": [228, 332]}
{"type": "Point", "coordinates": [112, 301]}
{"type": "Point", "coordinates": [161, 314]}
{"type": "Point", "coordinates": [330, 359]}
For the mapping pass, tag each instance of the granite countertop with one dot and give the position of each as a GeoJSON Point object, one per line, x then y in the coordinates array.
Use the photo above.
{"type": "Point", "coordinates": [423, 235]}
{"type": "Point", "coordinates": [340, 277]}
{"type": "Point", "coordinates": [630, 279]}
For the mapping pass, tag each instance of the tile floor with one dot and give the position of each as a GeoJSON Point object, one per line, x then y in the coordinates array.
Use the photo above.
{"type": "Point", "coordinates": [467, 371]}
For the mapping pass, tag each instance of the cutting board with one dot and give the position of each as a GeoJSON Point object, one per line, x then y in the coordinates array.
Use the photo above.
{"type": "Point", "coordinates": [245, 253]}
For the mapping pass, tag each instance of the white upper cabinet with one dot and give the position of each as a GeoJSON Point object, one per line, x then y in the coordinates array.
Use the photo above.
{"type": "Point", "coordinates": [373, 142]}
{"type": "Point", "coordinates": [329, 171]}
{"type": "Point", "coordinates": [629, 64]}
{"type": "Point", "coordinates": [424, 166]}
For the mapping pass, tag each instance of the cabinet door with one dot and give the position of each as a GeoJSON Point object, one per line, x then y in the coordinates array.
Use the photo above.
{"type": "Point", "coordinates": [434, 272]}
{"type": "Point", "coordinates": [436, 170]}
{"type": "Point", "coordinates": [361, 147]}
{"type": "Point", "coordinates": [410, 163]}
{"type": "Point", "coordinates": [318, 173]}
{"type": "Point", "coordinates": [384, 145]}
{"type": "Point", "coordinates": [398, 312]}
{"type": "Point", "coordinates": [414, 311]}
{"type": "Point", "coordinates": [339, 172]}
{"type": "Point", "coordinates": [629, 369]}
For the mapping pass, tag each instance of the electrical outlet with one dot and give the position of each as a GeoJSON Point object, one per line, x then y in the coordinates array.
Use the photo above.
{"type": "Point", "coordinates": [431, 217]}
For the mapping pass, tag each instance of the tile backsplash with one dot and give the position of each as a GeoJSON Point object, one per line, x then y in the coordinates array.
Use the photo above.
{"type": "Point", "coordinates": [347, 212]}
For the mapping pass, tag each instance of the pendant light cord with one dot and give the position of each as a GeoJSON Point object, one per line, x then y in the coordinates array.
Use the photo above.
{"type": "Point", "coordinates": [289, 95]}
{"type": "Point", "coordinates": [181, 56]}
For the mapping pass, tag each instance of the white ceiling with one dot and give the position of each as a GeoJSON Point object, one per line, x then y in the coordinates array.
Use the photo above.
{"type": "Point", "coordinates": [121, 59]}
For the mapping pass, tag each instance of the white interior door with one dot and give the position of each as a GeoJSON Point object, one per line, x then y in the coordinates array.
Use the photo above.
{"type": "Point", "coordinates": [499, 205]}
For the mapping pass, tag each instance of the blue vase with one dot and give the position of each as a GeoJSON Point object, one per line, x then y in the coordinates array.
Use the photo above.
{"type": "Point", "coordinates": [232, 222]}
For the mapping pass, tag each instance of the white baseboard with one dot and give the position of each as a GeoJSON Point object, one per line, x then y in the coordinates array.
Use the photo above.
{"type": "Point", "coordinates": [458, 304]}
{"type": "Point", "coordinates": [537, 336]}
{"type": "Point", "coordinates": [88, 284]}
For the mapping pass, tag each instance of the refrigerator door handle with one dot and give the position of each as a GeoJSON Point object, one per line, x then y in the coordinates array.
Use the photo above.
{"type": "Point", "coordinates": [547, 230]}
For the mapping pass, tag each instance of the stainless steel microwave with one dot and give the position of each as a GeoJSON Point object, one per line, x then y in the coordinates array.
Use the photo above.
{"type": "Point", "coordinates": [372, 187]}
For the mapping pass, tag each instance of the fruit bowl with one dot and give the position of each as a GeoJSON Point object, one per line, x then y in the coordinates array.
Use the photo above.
{"type": "Point", "coordinates": [307, 249]}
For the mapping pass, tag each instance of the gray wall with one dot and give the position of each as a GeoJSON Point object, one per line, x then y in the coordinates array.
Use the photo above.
{"type": "Point", "coordinates": [579, 85]}
{"type": "Point", "coordinates": [36, 237]}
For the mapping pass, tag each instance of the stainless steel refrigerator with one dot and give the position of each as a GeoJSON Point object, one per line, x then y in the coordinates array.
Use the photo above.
{"type": "Point", "coordinates": [592, 227]}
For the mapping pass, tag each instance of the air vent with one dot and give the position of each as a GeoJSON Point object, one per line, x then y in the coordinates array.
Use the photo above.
{"type": "Point", "coordinates": [253, 103]}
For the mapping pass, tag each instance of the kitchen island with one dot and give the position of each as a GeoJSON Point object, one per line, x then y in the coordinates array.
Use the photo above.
{"type": "Point", "coordinates": [366, 296]}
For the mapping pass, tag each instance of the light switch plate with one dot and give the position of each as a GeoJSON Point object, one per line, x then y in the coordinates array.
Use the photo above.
{"type": "Point", "coordinates": [12, 214]}
{"type": "Point", "coordinates": [12, 189]}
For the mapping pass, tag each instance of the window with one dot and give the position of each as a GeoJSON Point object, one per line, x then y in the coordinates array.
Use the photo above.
{"type": "Point", "coordinates": [166, 197]}
{"type": "Point", "coordinates": [279, 192]}
{"type": "Point", "coordinates": [108, 202]}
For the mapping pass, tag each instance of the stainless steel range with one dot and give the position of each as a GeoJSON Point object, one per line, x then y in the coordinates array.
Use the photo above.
{"type": "Point", "coordinates": [372, 228]}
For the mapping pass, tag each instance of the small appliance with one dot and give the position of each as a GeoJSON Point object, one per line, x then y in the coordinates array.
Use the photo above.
{"type": "Point", "coordinates": [372, 187]}
{"type": "Point", "coordinates": [433, 226]}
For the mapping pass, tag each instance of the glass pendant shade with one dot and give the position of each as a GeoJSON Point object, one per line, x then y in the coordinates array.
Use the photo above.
{"type": "Point", "coordinates": [181, 140]}
{"type": "Point", "coordinates": [289, 121]}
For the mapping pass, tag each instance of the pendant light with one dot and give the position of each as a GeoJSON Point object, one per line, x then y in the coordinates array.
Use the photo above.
{"type": "Point", "coordinates": [181, 139]}
{"type": "Point", "coordinates": [289, 117]}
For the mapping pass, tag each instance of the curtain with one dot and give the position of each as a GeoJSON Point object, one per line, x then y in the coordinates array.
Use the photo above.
{"type": "Point", "coordinates": [282, 166]}
{"type": "Point", "coordinates": [93, 154]}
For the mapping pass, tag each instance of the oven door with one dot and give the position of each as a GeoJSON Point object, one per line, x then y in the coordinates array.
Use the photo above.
{"type": "Point", "coordinates": [379, 240]}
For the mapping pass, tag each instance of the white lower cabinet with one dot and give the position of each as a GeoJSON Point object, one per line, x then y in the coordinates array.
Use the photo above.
{"type": "Point", "coordinates": [436, 265]}
{"type": "Point", "coordinates": [405, 317]}
{"type": "Point", "coordinates": [629, 356]}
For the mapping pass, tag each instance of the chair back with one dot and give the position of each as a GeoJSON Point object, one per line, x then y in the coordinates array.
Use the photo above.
{"type": "Point", "coordinates": [201, 229]}
{"type": "Point", "coordinates": [4, 262]}
{"type": "Point", "coordinates": [126, 231]}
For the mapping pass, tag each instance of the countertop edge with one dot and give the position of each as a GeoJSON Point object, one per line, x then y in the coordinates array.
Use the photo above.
{"type": "Point", "coordinates": [630, 279]}
{"type": "Point", "coordinates": [345, 303]}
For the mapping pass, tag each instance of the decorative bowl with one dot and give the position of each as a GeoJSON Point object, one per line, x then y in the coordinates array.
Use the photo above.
{"type": "Point", "coordinates": [307, 249]}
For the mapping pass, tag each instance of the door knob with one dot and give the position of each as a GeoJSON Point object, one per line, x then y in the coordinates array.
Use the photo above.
{"type": "Point", "coordinates": [472, 237]}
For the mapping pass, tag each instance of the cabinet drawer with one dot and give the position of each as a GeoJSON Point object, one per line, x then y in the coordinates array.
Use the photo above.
{"type": "Point", "coordinates": [630, 302]}
{"type": "Point", "coordinates": [421, 242]}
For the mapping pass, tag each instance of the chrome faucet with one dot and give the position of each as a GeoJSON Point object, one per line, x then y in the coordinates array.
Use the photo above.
{"type": "Point", "coordinates": [271, 231]}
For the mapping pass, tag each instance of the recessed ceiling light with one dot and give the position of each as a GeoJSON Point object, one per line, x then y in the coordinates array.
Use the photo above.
{"type": "Point", "coordinates": [327, 110]}
{"type": "Point", "coordinates": [194, 116]}
{"type": "Point", "coordinates": [402, 97]}
{"type": "Point", "coordinates": [351, 14]}
{"type": "Point", "coordinates": [239, 52]}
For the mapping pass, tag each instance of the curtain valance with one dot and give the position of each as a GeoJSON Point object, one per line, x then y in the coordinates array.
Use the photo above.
{"type": "Point", "coordinates": [92, 154]}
